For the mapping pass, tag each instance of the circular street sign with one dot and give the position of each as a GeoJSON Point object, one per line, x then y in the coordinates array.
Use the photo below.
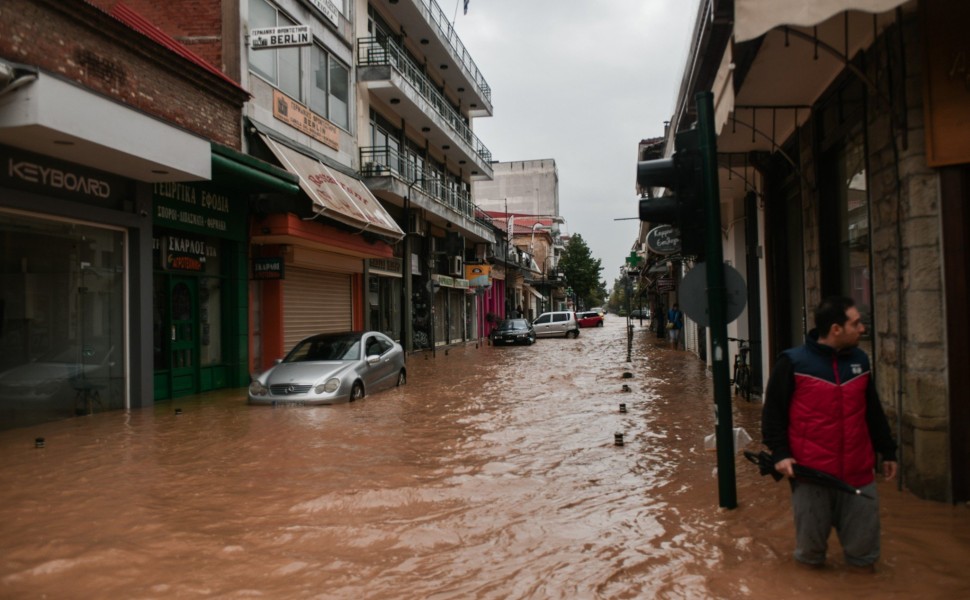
{"type": "Point", "coordinates": [664, 239]}
{"type": "Point", "coordinates": [693, 294]}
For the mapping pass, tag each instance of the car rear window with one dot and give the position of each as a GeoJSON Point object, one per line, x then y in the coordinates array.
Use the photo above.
{"type": "Point", "coordinates": [560, 317]}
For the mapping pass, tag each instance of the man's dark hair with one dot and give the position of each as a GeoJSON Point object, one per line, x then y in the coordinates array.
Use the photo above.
{"type": "Point", "coordinates": [832, 312]}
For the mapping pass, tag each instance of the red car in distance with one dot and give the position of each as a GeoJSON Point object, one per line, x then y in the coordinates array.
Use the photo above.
{"type": "Point", "coordinates": [589, 319]}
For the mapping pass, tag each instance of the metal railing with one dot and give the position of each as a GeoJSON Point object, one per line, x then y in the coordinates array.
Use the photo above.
{"type": "Point", "coordinates": [383, 161]}
{"type": "Point", "coordinates": [385, 52]}
{"type": "Point", "coordinates": [447, 30]}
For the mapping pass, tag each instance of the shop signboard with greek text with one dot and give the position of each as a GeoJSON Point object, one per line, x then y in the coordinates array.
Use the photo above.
{"type": "Point", "coordinates": [201, 208]}
{"type": "Point", "coordinates": [664, 239]}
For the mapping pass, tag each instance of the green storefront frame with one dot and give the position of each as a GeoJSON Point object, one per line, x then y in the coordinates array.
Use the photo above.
{"type": "Point", "coordinates": [194, 226]}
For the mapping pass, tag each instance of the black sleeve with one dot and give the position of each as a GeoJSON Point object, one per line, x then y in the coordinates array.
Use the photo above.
{"type": "Point", "coordinates": [879, 432]}
{"type": "Point", "coordinates": [774, 415]}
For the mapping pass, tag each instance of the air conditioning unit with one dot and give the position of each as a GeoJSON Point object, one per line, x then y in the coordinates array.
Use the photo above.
{"type": "Point", "coordinates": [455, 266]}
{"type": "Point", "coordinates": [416, 225]}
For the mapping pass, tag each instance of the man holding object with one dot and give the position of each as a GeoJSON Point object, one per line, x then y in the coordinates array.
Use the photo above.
{"type": "Point", "coordinates": [822, 411]}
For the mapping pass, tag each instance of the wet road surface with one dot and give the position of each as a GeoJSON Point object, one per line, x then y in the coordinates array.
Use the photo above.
{"type": "Point", "coordinates": [492, 474]}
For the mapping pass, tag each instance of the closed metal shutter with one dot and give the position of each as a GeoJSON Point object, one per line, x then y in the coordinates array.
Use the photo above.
{"type": "Point", "coordinates": [315, 302]}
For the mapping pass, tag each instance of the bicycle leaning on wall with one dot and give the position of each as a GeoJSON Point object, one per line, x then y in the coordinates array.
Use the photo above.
{"type": "Point", "coordinates": [742, 369]}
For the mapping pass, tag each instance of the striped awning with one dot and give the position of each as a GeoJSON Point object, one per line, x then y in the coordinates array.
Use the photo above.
{"type": "Point", "coordinates": [336, 195]}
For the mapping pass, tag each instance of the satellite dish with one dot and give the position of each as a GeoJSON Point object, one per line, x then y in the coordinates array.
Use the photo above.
{"type": "Point", "coordinates": [693, 294]}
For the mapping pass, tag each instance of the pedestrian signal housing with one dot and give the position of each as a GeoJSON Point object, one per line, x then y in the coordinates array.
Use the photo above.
{"type": "Point", "coordinates": [683, 203]}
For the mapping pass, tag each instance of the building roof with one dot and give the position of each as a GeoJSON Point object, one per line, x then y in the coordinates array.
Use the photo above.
{"type": "Point", "coordinates": [521, 223]}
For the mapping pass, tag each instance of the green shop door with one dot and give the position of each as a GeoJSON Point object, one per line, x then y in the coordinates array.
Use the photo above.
{"type": "Point", "coordinates": [183, 337]}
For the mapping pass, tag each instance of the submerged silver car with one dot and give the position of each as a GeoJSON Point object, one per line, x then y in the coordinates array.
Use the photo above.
{"type": "Point", "coordinates": [330, 368]}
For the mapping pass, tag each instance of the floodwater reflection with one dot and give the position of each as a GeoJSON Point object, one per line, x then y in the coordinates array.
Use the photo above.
{"type": "Point", "coordinates": [492, 474]}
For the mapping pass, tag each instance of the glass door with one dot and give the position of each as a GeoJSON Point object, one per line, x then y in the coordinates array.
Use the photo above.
{"type": "Point", "coordinates": [183, 336]}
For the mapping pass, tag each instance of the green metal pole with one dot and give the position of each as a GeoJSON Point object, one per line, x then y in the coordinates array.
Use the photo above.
{"type": "Point", "coordinates": [717, 303]}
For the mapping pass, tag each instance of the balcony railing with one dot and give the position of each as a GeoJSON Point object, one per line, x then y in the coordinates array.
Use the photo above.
{"type": "Point", "coordinates": [384, 52]}
{"type": "Point", "coordinates": [447, 30]}
{"type": "Point", "coordinates": [382, 161]}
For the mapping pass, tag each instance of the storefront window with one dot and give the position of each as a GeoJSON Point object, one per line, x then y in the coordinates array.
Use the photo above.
{"type": "Point", "coordinates": [845, 231]}
{"type": "Point", "coordinates": [62, 306]}
{"type": "Point", "coordinates": [384, 303]}
{"type": "Point", "coordinates": [210, 321]}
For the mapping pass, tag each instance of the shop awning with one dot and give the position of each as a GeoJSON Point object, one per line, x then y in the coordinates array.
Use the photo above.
{"type": "Point", "coordinates": [535, 293]}
{"type": "Point", "coordinates": [753, 18]}
{"type": "Point", "coordinates": [239, 170]}
{"type": "Point", "coordinates": [335, 195]}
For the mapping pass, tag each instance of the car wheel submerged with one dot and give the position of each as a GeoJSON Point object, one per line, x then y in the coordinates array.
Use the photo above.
{"type": "Point", "coordinates": [357, 391]}
{"type": "Point", "coordinates": [402, 378]}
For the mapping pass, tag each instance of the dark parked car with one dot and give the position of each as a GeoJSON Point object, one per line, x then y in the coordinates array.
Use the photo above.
{"type": "Point", "coordinates": [590, 318]}
{"type": "Point", "coordinates": [332, 367]}
{"type": "Point", "coordinates": [514, 331]}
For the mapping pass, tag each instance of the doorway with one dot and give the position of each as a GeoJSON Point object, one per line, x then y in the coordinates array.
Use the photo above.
{"type": "Point", "coordinates": [183, 327]}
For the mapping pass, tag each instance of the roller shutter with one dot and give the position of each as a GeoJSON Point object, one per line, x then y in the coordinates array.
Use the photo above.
{"type": "Point", "coordinates": [315, 302]}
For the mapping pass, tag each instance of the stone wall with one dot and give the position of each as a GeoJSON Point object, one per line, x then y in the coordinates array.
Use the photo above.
{"type": "Point", "coordinates": [910, 359]}
{"type": "Point", "coordinates": [907, 264]}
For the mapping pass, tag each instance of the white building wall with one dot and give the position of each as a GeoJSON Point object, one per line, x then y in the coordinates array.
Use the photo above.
{"type": "Point", "coordinates": [523, 187]}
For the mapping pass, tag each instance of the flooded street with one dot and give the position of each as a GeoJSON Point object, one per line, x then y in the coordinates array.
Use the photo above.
{"type": "Point", "coordinates": [492, 474]}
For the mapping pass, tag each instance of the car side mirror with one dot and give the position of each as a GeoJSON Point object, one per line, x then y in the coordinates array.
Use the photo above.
{"type": "Point", "coordinates": [373, 359]}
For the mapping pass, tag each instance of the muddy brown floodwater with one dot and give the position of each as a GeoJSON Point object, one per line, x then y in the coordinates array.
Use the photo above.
{"type": "Point", "coordinates": [492, 474]}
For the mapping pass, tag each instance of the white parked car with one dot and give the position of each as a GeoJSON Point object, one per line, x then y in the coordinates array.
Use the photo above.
{"type": "Point", "coordinates": [557, 324]}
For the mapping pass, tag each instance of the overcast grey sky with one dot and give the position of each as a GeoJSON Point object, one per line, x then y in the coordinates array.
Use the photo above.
{"type": "Point", "coordinates": [581, 82]}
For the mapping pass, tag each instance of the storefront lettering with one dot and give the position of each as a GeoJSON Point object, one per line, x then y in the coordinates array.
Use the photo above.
{"type": "Point", "coordinates": [184, 263]}
{"type": "Point", "coordinates": [190, 218]}
{"type": "Point", "coordinates": [58, 179]}
{"type": "Point", "coordinates": [176, 191]}
{"type": "Point", "coordinates": [176, 244]}
{"type": "Point", "coordinates": [215, 202]}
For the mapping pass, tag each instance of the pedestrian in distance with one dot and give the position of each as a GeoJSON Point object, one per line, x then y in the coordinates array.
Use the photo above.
{"type": "Point", "coordinates": [822, 411]}
{"type": "Point", "coordinates": [675, 323]}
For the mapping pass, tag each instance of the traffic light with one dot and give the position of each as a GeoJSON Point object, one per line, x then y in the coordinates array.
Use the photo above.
{"type": "Point", "coordinates": [683, 205]}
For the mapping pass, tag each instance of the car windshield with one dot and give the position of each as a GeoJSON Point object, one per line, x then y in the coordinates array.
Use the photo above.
{"type": "Point", "coordinates": [326, 347]}
{"type": "Point", "coordinates": [513, 324]}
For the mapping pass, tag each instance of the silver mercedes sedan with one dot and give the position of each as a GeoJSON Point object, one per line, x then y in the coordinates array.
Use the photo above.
{"type": "Point", "coordinates": [331, 367]}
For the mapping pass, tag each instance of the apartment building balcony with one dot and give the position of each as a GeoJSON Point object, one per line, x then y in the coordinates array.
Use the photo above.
{"type": "Point", "coordinates": [389, 75]}
{"type": "Point", "coordinates": [426, 22]}
{"type": "Point", "coordinates": [391, 176]}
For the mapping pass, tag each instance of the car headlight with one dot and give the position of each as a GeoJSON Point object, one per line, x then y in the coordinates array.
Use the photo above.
{"type": "Point", "coordinates": [257, 389]}
{"type": "Point", "coordinates": [329, 387]}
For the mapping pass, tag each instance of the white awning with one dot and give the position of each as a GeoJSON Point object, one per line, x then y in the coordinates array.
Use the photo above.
{"type": "Point", "coordinates": [58, 118]}
{"type": "Point", "coordinates": [753, 18]}
{"type": "Point", "coordinates": [724, 90]}
{"type": "Point", "coordinates": [535, 293]}
{"type": "Point", "coordinates": [335, 195]}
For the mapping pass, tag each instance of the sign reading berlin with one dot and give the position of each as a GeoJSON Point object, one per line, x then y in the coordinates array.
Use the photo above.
{"type": "Point", "coordinates": [280, 37]}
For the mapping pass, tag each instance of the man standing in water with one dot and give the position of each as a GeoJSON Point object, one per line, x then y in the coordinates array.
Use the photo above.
{"type": "Point", "coordinates": [822, 411]}
{"type": "Point", "coordinates": [675, 324]}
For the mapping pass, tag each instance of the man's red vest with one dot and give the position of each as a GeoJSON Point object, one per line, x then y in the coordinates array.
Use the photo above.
{"type": "Point", "coordinates": [827, 418]}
